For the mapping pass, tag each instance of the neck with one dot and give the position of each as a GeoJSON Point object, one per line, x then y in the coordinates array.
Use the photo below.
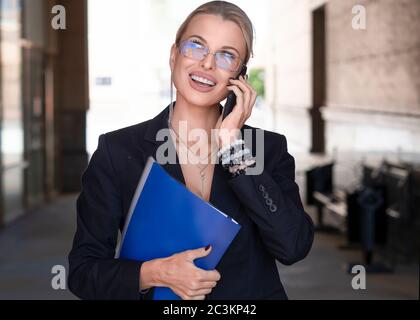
{"type": "Point", "coordinates": [202, 117]}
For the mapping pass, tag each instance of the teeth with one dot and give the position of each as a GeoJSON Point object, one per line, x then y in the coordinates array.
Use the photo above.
{"type": "Point", "coordinates": [202, 80]}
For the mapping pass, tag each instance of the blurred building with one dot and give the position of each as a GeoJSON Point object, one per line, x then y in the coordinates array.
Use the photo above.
{"type": "Point", "coordinates": [341, 77]}
{"type": "Point", "coordinates": [332, 83]}
{"type": "Point", "coordinates": [339, 84]}
{"type": "Point", "coordinates": [44, 98]}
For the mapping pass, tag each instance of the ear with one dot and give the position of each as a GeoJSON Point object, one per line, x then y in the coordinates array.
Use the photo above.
{"type": "Point", "coordinates": [172, 57]}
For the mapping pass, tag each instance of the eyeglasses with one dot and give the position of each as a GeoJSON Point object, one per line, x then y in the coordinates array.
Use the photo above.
{"type": "Point", "coordinates": [224, 59]}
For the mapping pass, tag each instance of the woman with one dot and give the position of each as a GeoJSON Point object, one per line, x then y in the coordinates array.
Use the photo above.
{"type": "Point", "coordinates": [211, 47]}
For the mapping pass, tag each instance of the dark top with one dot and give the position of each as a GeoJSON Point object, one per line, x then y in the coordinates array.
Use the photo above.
{"type": "Point", "coordinates": [267, 206]}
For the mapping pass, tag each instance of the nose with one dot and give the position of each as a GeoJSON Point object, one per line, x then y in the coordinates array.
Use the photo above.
{"type": "Point", "coordinates": [209, 61]}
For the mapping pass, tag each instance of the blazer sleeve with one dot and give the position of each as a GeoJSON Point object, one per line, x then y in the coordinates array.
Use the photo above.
{"type": "Point", "coordinates": [271, 199]}
{"type": "Point", "coordinates": [94, 273]}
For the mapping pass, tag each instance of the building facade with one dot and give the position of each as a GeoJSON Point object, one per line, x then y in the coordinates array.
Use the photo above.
{"type": "Point", "coordinates": [345, 75]}
{"type": "Point", "coordinates": [43, 102]}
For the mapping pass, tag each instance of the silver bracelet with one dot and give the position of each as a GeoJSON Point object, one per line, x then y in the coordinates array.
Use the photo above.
{"type": "Point", "coordinates": [235, 144]}
{"type": "Point", "coordinates": [242, 166]}
{"type": "Point", "coordinates": [236, 157]}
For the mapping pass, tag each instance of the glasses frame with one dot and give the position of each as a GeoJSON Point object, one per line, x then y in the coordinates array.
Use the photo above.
{"type": "Point", "coordinates": [240, 65]}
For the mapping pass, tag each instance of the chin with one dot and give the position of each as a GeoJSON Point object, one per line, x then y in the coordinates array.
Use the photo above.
{"type": "Point", "coordinates": [200, 99]}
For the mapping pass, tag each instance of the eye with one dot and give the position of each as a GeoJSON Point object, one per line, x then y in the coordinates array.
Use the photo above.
{"type": "Point", "coordinates": [197, 43]}
{"type": "Point", "coordinates": [228, 54]}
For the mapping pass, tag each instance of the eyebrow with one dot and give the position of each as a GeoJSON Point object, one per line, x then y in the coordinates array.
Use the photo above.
{"type": "Point", "coordinates": [224, 47]}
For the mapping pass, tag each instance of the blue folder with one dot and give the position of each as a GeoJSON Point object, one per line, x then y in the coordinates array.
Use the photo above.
{"type": "Point", "coordinates": [166, 218]}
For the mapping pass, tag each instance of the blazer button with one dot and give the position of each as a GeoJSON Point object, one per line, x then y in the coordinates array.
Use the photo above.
{"type": "Point", "coordinates": [269, 201]}
{"type": "Point", "coordinates": [261, 187]}
{"type": "Point", "coordinates": [273, 208]}
{"type": "Point", "coordinates": [265, 195]}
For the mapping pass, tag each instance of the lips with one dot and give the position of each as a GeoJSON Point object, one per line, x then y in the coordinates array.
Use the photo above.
{"type": "Point", "coordinates": [201, 77]}
{"type": "Point", "coordinates": [199, 86]}
{"type": "Point", "coordinates": [201, 81]}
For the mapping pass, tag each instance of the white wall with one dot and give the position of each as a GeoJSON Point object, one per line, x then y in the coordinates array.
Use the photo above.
{"type": "Point", "coordinates": [289, 88]}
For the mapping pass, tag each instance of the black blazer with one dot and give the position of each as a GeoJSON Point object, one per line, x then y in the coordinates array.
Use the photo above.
{"type": "Point", "coordinates": [267, 206]}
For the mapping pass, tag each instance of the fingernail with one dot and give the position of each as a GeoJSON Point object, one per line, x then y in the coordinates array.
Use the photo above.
{"type": "Point", "coordinates": [207, 247]}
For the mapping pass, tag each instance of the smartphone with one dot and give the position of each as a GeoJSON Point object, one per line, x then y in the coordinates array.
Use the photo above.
{"type": "Point", "coordinates": [231, 98]}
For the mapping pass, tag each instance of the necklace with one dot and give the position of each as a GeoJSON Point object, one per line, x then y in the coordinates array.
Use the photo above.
{"type": "Point", "coordinates": [201, 170]}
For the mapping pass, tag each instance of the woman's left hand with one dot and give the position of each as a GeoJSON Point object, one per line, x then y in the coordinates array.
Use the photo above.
{"type": "Point", "coordinates": [245, 100]}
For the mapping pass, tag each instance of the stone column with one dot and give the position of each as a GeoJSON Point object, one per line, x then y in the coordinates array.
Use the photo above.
{"type": "Point", "coordinates": [72, 96]}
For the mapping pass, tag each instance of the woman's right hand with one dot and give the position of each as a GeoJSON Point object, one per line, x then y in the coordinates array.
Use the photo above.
{"type": "Point", "coordinates": [179, 273]}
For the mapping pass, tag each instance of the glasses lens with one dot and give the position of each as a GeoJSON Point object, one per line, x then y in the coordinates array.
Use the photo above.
{"type": "Point", "coordinates": [227, 61]}
{"type": "Point", "coordinates": [197, 51]}
{"type": "Point", "coordinates": [193, 50]}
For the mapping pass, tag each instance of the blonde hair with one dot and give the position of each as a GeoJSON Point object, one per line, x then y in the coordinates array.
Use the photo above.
{"type": "Point", "coordinates": [229, 12]}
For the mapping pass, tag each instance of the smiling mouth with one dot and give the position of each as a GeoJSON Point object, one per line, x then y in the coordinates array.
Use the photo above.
{"type": "Point", "coordinates": [202, 81]}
